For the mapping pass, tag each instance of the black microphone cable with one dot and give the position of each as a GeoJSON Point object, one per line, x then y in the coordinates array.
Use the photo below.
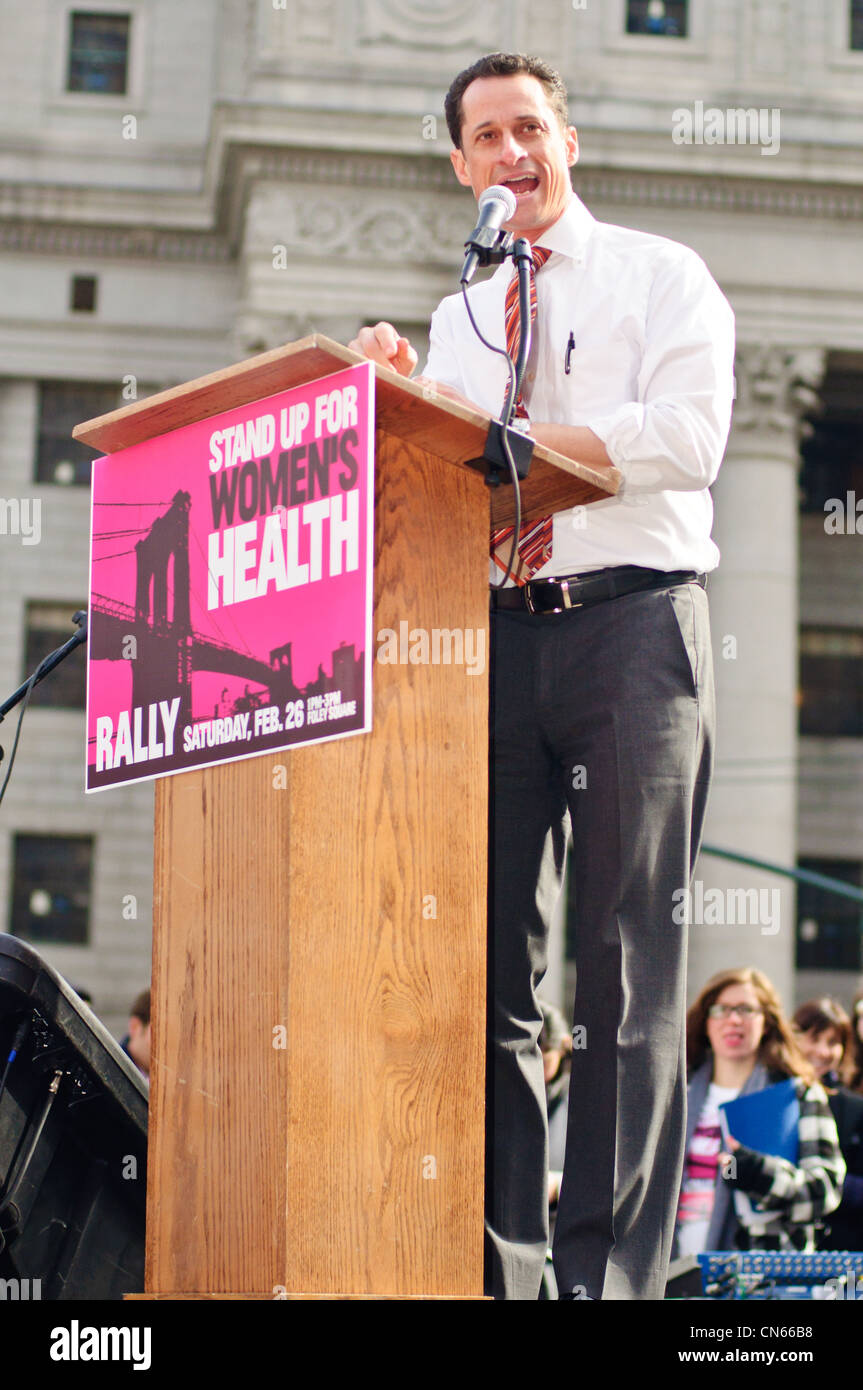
{"type": "Point", "coordinates": [505, 421]}
{"type": "Point", "coordinates": [24, 703]}
{"type": "Point", "coordinates": [24, 692]}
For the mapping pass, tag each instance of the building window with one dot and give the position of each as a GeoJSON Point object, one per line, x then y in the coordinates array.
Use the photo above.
{"type": "Point", "coordinates": [82, 294]}
{"type": "Point", "coordinates": [832, 452]}
{"type": "Point", "coordinates": [98, 52]}
{"type": "Point", "coordinates": [829, 927]}
{"type": "Point", "coordinates": [856, 23]}
{"type": "Point", "coordinates": [49, 625]}
{"type": "Point", "coordinates": [831, 682]}
{"type": "Point", "coordinates": [62, 406]}
{"type": "Point", "coordinates": [666, 18]}
{"type": "Point", "coordinates": [51, 888]}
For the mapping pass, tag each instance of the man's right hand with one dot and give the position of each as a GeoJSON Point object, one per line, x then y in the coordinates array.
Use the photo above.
{"type": "Point", "coordinates": [386, 347]}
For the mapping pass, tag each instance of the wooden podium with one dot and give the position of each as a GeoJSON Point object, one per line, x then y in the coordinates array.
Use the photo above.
{"type": "Point", "coordinates": [317, 1085]}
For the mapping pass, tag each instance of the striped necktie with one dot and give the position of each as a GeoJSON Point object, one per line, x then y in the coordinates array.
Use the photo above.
{"type": "Point", "coordinates": [534, 542]}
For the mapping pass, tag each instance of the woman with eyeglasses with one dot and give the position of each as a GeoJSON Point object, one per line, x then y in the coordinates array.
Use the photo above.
{"type": "Point", "coordinates": [731, 1197]}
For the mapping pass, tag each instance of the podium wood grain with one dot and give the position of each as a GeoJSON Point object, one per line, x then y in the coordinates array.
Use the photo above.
{"type": "Point", "coordinates": [348, 908]}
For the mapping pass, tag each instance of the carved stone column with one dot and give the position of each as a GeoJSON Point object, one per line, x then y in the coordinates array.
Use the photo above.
{"type": "Point", "coordinates": [754, 619]}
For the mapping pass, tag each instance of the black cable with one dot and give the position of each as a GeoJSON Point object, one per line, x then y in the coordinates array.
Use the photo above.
{"type": "Point", "coordinates": [24, 703]}
{"type": "Point", "coordinates": [24, 691]}
{"type": "Point", "coordinates": [507, 416]}
{"type": "Point", "coordinates": [11, 1186]}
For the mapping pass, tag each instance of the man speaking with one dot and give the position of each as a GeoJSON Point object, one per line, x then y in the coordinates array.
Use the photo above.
{"type": "Point", "coordinates": [602, 712]}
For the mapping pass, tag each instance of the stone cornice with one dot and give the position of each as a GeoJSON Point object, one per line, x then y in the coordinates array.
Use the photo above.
{"type": "Point", "coordinates": [116, 243]}
{"type": "Point", "coordinates": [712, 194]}
{"type": "Point", "coordinates": [626, 187]}
{"type": "Point", "coordinates": [133, 234]}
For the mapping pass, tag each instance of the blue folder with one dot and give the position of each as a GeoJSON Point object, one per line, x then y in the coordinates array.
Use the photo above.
{"type": "Point", "coordinates": [766, 1121]}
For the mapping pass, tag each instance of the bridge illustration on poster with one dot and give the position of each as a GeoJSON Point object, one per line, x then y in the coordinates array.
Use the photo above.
{"type": "Point", "coordinates": [161, 625]}
{"type": "Point", "coordinates": [215, 636]}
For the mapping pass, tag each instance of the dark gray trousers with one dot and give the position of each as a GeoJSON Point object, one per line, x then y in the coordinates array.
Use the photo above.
{"type": "Point", "coordinates": [602, 719]}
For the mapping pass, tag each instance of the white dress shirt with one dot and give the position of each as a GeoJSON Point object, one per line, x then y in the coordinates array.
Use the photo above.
{"type": "Point", "coordinates": [651, 374]}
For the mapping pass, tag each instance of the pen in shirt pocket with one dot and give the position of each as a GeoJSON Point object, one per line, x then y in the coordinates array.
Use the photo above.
{"type": "Point", "coordinates": [569, 351]}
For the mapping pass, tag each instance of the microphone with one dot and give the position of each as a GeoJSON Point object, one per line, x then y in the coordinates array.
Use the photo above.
{"type": "Point", "coordinates": [496, 206]}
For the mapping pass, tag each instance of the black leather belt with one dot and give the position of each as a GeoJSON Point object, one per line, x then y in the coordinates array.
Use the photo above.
{"type": "Point", "coordinates": [542, 596]}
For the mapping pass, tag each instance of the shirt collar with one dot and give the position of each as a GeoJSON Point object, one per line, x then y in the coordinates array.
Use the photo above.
{"type": "Point", "coordinates": [571, 232]}
{"type": "Point", "coordinates": [569, 235]}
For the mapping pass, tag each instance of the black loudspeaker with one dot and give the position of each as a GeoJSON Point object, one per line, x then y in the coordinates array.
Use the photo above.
{"type": "Point", "coordinates": [684, 1278]}
{"type": "Point", "coordinates": [73, 1142]}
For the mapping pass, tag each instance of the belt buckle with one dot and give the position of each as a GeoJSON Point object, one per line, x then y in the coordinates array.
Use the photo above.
{"type": "Point", "coordinates": [528, 601]}
{"type": "Point", "coordinates": [548, 612]}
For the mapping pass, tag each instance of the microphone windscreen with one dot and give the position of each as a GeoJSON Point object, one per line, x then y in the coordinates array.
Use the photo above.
{"type": "Point", "coordinates": [498, 193]}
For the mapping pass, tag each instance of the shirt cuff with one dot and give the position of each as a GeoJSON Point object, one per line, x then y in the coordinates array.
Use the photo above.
{"type": "Point", "coordinates": [618, 432]}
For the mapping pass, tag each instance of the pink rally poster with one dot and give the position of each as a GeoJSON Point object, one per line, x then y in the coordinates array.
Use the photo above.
{"type": "Point", "coordinates": [231, 585]}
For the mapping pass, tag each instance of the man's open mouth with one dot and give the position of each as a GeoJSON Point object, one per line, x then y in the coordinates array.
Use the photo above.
{"type": "Point", "coordinates": [523, 185]}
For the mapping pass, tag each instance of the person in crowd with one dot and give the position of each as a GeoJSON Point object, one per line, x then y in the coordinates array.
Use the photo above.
{"type": "Point", "coordinates": [136, 1043]}
{"type": "Point", "coordinates": [731, 1197]}
{"type": "Point", "coordinates": [824, 1032]}
{"type": "Point", "coordinates": [853, 1073]}
{"type": "Point", "coordinates": [555, 1044]}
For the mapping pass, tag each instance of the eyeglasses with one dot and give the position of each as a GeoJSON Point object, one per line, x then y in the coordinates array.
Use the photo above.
{"type": "Point", "coordinates": [743, 1011]}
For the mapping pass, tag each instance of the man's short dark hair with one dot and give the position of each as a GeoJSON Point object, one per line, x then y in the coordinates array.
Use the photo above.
{"type": "Point", "coordinates": [141, 1007]}
{"type": "Point", "coordinates": [504, 65]}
